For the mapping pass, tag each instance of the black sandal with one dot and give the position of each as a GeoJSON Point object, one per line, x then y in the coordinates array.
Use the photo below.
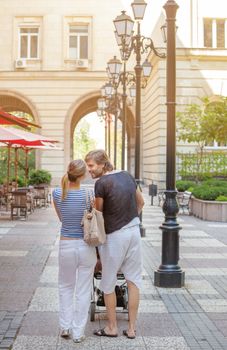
{"type": "Point", "coordinates": [125, 333]}
{"type": "Point", "coordinates": [102, 333]}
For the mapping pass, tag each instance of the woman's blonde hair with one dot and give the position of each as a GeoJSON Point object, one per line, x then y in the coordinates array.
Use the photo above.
{"type": "Point", "coordinates": [99, 156]}
{"type": "Point", "coordinates": [76, 169]}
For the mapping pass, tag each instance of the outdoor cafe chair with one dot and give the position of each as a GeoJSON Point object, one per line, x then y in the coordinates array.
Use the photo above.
{"type": "Point", "coordinates": [19, 204]}
{"type": "Point", "coordinates": [41, 196]}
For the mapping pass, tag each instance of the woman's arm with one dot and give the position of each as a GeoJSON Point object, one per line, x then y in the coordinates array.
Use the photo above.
{"type": "Point", "coordinates": [139, 200]}
{"type": "Point", "coordinates": [57, 210]}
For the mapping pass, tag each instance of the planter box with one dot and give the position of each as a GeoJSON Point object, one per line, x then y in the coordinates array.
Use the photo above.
{"type": "Point", "coordinates": [209, 210]}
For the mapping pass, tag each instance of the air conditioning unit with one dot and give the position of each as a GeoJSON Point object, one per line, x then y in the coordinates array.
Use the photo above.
{"type": "Point", "coordinates": [82, 63]}
{"type": "Point", "coordinates": [20, 63]}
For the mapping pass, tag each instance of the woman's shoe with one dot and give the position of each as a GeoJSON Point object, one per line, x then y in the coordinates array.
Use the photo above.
{"type": "Point", "coordinates": [79, 340]}
{"type": "Point", "coordinates": [65, 333]}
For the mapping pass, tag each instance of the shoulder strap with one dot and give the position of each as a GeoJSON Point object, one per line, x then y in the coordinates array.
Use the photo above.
{"type": "Point", "coordinates": [86, 198]}
{"type": "Point", "coordinates": [91, 195]}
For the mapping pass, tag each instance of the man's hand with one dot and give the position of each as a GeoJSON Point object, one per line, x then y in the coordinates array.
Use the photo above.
{"type": "Point", "coordinates": [139, 200]}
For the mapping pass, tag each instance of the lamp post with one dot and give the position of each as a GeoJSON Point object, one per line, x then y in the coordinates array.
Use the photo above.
{"type": "Point", "coordinates": [169, 273]}
{"type": "Point", "coordinates": [101, 115]}
{"type": "Point", "coordinates": [138, 44]}
{"type": "Point", "coordinates": [109, 105]}
{"type": "Point", "coordinates": [116, 110]}
{"type": "Point", "coordinates": [124, 78]}
{"type": "Point", "coordinates": [109, 120]}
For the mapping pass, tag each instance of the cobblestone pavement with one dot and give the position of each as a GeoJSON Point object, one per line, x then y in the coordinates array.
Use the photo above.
{"type": "Point", "coordinates": [193, 317]}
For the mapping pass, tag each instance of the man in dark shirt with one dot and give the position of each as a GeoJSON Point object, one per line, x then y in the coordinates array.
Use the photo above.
{"type": "Point", "coordinates": [117, 196]}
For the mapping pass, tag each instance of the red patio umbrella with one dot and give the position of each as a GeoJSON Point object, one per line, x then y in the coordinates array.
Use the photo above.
{"type": "Point", "coordinates": [17, 137]}
{"type": "Point", "coordinates": [20, 137]}
{"type": "Point", "coordinates": [10, 119]}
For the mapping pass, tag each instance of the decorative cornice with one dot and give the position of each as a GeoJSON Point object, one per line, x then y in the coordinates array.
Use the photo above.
{"type": "Point", "coordinates": [53, 75]}
{"type": "Point", "coordinates": [202, 54]}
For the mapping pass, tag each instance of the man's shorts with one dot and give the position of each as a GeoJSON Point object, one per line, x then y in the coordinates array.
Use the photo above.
{"type": "Point", "coordinates": [121, 253]}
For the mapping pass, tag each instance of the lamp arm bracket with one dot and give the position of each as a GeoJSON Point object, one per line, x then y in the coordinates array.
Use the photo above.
{"type": "Point", "coordinates": [144, 83]}
{"type": "Point", "coordinates": [148, 47]}
{"type": "Point", "coordinates": [130, 78]}
{"type": "Point", "coordinates": [126, 78]}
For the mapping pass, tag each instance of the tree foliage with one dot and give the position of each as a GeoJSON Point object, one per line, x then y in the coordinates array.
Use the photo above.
{"type": "Point", "coordinates": [83, 143]}
{"type": "Point", "coordinates": [204, 123]}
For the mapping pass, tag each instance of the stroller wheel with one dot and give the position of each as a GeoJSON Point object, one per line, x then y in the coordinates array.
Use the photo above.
{"type": "Point", "coordinates": [92, 311]}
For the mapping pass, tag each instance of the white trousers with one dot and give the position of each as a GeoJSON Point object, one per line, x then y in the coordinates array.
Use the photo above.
{"type": "Point", "coordinates": [76, 268]}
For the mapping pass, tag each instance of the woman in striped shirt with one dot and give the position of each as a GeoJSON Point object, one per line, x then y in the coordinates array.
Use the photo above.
{"type": "Point", "coordinates": [76, 259]}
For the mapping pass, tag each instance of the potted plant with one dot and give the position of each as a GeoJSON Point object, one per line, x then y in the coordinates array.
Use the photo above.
{"type": "Point", "coordinates": [209, 200]}
{"type": "Point", "coordinates": [40, 177]}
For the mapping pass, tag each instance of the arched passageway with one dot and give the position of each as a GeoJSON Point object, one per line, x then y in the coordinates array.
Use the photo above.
{"type": "Point", "coordinates": [85, 106]}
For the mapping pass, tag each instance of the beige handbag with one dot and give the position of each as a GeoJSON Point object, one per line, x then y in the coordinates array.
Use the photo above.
{"type": "Point", "coordinates": [93, 225]}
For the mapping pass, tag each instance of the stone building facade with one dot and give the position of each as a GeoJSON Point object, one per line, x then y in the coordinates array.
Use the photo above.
{"type": "Point", "coordinates": [53, 61]}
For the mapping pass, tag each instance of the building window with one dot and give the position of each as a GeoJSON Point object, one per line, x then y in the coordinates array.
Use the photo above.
{"type": "Point", "coordinates": [215, 33]}
{"type": "Point", "coordinates": [28, 42]}
{"type": "Point", "coordinates": [220, 33]}
{"type": "Point", "coordinates": [78, 41]}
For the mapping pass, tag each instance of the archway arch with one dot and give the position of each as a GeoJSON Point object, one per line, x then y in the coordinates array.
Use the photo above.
{"type": "Point", "coordinates": [87, 104]}
{"type": "Point", "coordinates": [15, 101]}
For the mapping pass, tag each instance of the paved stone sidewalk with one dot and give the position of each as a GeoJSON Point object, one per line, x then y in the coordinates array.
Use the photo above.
{"type": "Point", "coordinates": [193, 317]}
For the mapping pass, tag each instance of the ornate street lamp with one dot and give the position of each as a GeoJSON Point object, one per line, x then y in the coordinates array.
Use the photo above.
{"type": "Point", "coordinates": [132, 90]}
{"type": "Point", "coordinates": [138, 7]}
{"type": "Point", "coordinates": [103, 93]}
{"type": "Point", "coordinates": [124, 25]}
{"type": "Point", "coordinates": [109, 89]}
{"type": "Point", "coordinates": [124, 78]}
{"type": "Point", "coordinates": [169, 273]}
{"type": "Point", "coordinates": [114, 67]}
{"type": "Point", "coordinates": [108, 105]}
{"type": "Point", "coordinates": [102, 103]}
{"type": "Point", "coordinates": [147, 68]}
{"type": "Point", "coordinates": [101, 114]}
{"type": "Point", "coordinates": [138, 44]}
{"type": "Point", "coordinates": [164, 32]}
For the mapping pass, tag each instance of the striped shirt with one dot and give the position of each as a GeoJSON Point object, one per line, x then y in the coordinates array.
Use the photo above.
{"type": "Point", "coordinates": [71, 210]}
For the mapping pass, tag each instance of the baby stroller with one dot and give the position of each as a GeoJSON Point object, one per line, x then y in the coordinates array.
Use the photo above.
{"type": "Point", "coordinates": [97, 296]}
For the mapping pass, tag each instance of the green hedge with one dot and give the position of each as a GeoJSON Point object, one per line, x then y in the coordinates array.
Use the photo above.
{"type": "Point", "coordinates": [209, 193]}
{"type": "Point", "coordinates": [211, 189]}
{"type": "Point", "coordinates": [215, 182]}
{"type": "Point", "coordinates": [221, 198]}
{"type": "Point", "coordinates": [184, 185]}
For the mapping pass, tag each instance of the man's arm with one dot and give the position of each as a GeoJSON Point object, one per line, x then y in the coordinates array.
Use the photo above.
{"type": "Point", "coordinates": [99, 204]}
{"type": "Point", "coordinates": [139, 200]}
